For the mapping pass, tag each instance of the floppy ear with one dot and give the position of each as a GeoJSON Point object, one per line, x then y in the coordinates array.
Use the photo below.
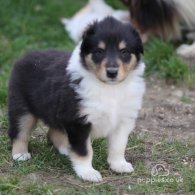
{"type": "Point", "coordinates": [138, 45]}
{"type": "Point", "coordinates": [139, 49]}
{"type": "Point", "coordinates": [86, 38]}
{"type": "Point", "coordinates": [135, 38]}
{"type": "Point", "coordinates": [90, 30]}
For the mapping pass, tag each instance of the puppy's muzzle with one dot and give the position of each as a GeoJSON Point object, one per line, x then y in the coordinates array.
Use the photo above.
{"type": "Point", "coordinates": [111, 72]}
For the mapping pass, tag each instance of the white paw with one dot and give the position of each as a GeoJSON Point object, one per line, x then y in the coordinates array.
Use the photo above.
{"type": "Point", "coordinates": [121, 167]}
{"type": "Point", "coordinates": [63, 150]}
{"type": "Point", "coordinates": [21, 156]}
{"type": "Point", "coordinates": [89, 174]}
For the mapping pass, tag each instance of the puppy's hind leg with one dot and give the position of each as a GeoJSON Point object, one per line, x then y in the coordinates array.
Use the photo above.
{"type": "Point", "coordinates": [20, 131]}
{"type": "Point", "coordinates": [59, 140]}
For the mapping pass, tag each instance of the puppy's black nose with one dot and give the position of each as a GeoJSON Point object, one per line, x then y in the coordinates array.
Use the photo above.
{"type": "Point", "coordinates": [112, 72]}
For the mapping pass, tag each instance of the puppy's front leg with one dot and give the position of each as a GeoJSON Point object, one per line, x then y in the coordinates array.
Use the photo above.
{"type": "Point", "coordinates": [81, 152]}
{"type": "Point", "coordinates": [117, 142]}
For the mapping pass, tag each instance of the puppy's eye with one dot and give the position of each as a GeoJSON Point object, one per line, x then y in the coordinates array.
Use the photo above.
{"type": "Point", "coordinates": [125, 53]}
{"type": "Point", "coordinates": [99, 52]}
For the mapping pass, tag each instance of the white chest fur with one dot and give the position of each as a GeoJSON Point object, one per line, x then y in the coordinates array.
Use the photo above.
{"type": "Point", "coordinates": [108, 105]}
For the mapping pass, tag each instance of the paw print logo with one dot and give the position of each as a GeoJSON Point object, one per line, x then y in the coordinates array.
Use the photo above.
{"type": "Point", "coordinates": [159, 170]}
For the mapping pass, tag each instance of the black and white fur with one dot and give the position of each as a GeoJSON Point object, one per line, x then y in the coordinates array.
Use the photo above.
{"type": "Point", "coordinates": [64, 91]}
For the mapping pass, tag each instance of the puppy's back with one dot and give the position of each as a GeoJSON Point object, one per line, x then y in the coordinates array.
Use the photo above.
{"type": "Point", "coordinates": [37, 82]}
{"type": "Point", "coordinates": [40, 64]}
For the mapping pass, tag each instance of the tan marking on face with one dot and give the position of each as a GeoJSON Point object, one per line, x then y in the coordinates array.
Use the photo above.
{"type": "Point", "coordinates": [101, 71]}
{"type": "Point", "coordinates": [58, 138]}
{"type": "Point", "coordinates": [98, 69]}
{"type": "Point", "coordinates": [89, 62]}
{"type": "Point", "coordinates": [102, 45]}
{"type": "Point", "coordinates": [122, 45]}
{"type": "Point", "coordinates": [125, 68]}
{"type": "Point", "coordinates": [26, 124]}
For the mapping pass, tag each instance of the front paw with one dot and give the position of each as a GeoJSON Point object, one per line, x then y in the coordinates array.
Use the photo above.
{"type": "Point", "coordinates": [121, 167]}
{"type": "Point", "coordinates": [88, 173]}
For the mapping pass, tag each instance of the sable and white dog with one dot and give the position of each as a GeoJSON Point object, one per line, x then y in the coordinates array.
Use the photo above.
{"type": "Point", "coordinates": [94, 92]}
{"type": "Point", "coordinates": [164, 18]}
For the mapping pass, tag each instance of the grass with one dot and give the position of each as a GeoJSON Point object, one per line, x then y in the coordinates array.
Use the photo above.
{"type": "Point", "coordinates": [161, 58]}
{"type": "Point", "coordinates": [36, 24]}
{"type": "Point", "coordinates": [48, 171]}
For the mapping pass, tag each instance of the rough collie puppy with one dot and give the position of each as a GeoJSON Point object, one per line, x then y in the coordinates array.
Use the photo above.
{"type": "Point", "coordinates": [94, 92]}
{"type": "Point", "coordinates": [161, 17]}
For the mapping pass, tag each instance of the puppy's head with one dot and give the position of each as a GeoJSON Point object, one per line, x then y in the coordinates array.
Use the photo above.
{"type": "Point", "coordinates": [111, 50]}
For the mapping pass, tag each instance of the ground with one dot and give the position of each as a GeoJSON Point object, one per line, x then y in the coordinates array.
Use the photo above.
{"type": "Point", "coordinates": [168, 112]}
{"type": "Point", "coordinates": [161, 148]}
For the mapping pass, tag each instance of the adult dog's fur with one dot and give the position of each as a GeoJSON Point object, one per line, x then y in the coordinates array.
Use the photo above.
{"type": "Point", "coordinates": [164, 18]}
{"type": "Point", "coordinates": [94, 92]}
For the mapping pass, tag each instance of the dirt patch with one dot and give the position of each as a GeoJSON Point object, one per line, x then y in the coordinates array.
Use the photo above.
{"type": "Point", "coordinates": [168, 112]}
